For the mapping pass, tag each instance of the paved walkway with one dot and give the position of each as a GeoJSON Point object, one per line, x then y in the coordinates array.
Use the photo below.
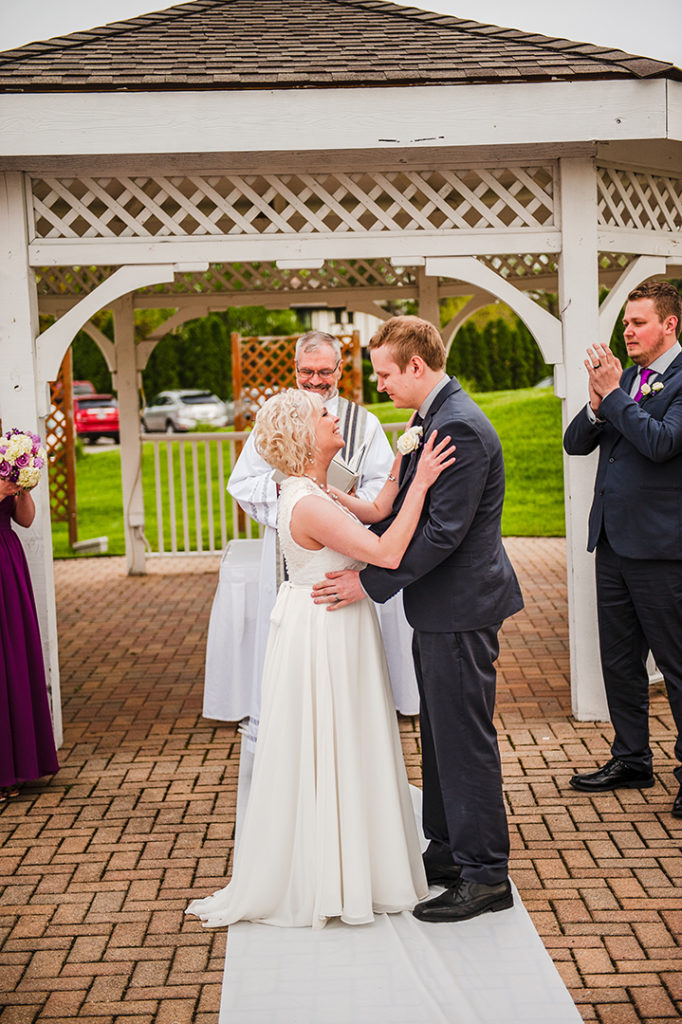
{"type": "Point", "coordinates": [97, 866]}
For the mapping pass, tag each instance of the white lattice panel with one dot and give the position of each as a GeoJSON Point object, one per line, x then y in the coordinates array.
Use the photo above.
{"type": "Point", "coordinates": [232, 278]}
{"type": "Point", "coordinates": [522, 266]}
{"type": "Point", "coordinates": [289, 204]}
{"type": "Point", "coordinates": [70, 280]}
{"type": "Point", "coordinates": [632, 199]}
{"type": "Point", "coordinates": [615, 261]}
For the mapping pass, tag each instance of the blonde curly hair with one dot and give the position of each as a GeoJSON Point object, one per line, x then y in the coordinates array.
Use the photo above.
{"type": "Point", "coordinates": [284, 430]}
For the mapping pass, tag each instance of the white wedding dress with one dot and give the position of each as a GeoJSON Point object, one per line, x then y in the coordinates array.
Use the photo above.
{"type": "Point", "coordinates": [329, 829]}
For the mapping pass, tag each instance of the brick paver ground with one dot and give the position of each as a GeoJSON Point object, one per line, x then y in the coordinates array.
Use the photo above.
{"type": "Point", "coordinates": [98, 864]}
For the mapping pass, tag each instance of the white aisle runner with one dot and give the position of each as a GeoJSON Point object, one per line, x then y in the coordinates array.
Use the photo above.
{"type": "Point", "coordinates": [491, 970]}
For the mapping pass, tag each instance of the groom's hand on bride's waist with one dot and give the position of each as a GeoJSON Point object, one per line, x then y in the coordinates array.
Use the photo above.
{"type": "Point", "coordinates": [338, 589]}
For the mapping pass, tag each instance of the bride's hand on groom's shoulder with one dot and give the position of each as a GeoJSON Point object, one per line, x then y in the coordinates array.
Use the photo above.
{"type": "Point", "coordinates": [434, 459]}
{"type": "Point", "coordinates": [338, 589]}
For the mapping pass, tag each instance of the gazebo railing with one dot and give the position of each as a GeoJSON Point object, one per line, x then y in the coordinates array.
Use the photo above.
{"type": "Point", "coordinates": [187, 508]}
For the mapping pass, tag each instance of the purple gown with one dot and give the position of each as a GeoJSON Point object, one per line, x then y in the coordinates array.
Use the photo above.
{"type": "Point", "coordinates": [27, 748]}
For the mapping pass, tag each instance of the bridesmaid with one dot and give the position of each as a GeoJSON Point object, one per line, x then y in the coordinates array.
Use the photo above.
{"type": "Point", "coordinates": [27, 749]}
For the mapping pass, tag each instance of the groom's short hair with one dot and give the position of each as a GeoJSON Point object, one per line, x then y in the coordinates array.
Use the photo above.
{"type": "Point", "coordinates": [411, 336]}
{"type": "Point", "coordinates": [665, 297]}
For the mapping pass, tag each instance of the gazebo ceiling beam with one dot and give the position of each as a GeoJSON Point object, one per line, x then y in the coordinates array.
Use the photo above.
{"type": "Point", "coordinates": [386, 159]}
{"type": "Point", "coordinates": [70, 252]}
{"type": "Point", "coordinates": [642, 243]}
{"type": "Point", "coordinates": [367, 118]}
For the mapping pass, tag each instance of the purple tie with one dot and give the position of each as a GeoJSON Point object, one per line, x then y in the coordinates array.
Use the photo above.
{"type": "Point", "coordinates": [643, 378]}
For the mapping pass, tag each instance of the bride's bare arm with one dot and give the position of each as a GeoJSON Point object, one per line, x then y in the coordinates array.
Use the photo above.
{"type": "Point", "coordinates": [372, 511]}
{"type": "Point", "coordinates": [316, 522]}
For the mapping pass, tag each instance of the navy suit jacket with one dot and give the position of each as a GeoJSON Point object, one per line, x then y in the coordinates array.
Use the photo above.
{"type": "Point", "coordinates": [638, 489]}
{"type": "Point", "coordinates": [455, 574]}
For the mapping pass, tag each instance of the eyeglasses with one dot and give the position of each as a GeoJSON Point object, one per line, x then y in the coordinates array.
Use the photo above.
{"type": "Point", "coordinates": [304, 371]}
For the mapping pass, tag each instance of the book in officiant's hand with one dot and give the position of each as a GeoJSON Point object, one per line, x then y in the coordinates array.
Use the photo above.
{"type": "Point", "coordinates": [339, 475]}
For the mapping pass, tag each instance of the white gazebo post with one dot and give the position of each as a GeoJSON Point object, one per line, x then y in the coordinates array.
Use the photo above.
{"type": "Point", "coordinates": [579, 305]}
{"type": "Point", "coordinates": [24, 404]}
{"type": "Point", "coordinates": [127, 385]}
{"type": "Point", "coordinates": [428, 302]}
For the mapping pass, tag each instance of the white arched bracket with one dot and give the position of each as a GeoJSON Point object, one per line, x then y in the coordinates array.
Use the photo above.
{"type": "Point", "coordinates": [53, 343]}
{"type": "Point", "coordinates": [104, 344]}
{"type": "Point", "coordinates": [639, 270]}
{"type": "Point", "coordinates": [144, 348]}
{"type": "Point", "coordinates": [544, 327]}
{"type": "Point", "coordinates": [477, 301]}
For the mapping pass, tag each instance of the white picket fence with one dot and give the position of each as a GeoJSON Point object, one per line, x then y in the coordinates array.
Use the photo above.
{"type": "Point", "coordinates": [191, 512]}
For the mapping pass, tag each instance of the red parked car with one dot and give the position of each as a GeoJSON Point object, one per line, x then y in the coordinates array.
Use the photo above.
{"type": "Point", "coordinates": [96, 416]}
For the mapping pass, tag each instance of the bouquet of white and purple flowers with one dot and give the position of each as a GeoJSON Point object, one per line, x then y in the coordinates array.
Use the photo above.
{"type": "Point", "coordinates": [22, 457]}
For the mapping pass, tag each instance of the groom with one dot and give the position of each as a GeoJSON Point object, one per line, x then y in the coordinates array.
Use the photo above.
{"type": "Point", "coordinates": [458, 586]}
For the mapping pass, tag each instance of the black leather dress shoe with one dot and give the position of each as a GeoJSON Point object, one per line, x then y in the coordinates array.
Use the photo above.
{"type": "Point", "coordinates": [465, 900]}
{"type": "Point", "coordinates": [677, 805]}
{"type": "Point", "coordinates": [439, 867]}
{"type": "Point", "coordinates": [612, 775]}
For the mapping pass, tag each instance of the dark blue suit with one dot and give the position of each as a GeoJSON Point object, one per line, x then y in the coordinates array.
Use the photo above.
{"type": "Point", "coordinates": [636, 528]}
{"type": "Point", "coordinates": [458, 586]}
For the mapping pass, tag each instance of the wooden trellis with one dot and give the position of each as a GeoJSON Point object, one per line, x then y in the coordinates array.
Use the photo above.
{"type": "Point", "coordinates": [261, 366]}
{"type": "Point", "coordinates": [61, 450]}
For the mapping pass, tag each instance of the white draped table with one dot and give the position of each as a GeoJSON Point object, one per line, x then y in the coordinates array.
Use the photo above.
{"type": "Point", "coordinates": [230, 685]}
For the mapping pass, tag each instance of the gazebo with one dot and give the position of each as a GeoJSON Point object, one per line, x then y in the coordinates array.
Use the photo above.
{"type": "Point", "coordinates": [348, 152]}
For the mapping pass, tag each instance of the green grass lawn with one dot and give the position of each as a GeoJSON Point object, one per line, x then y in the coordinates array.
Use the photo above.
{"type": "Point", "coordinates": [528, 422]}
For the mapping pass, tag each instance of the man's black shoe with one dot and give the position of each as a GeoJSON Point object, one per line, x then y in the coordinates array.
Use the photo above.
{"type": "Point", "coordinates": [465, 900]}
{"type": "Point", "coordinates": [439, 867]}
{"type": "Point", "coordinates": [613, 775]}
{"type": "Point", "coordinates": [677, 805]}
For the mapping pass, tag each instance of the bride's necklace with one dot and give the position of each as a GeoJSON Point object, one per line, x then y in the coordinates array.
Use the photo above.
{"type": "Point", "coordinates": [325, 488]}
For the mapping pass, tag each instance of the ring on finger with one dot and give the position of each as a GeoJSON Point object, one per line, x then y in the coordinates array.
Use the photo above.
{"type": "Point", "coordinates": [595, 366]}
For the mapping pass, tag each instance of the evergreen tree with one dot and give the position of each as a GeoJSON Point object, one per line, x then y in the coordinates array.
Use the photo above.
{"type": "Point", "coordinates": [506, 344]}
{"type": "Point", "coordinates": [481, 360]}
{"type": "Point", "coordinates": [460, 359]}
{"type": "Point", "coordinates": [90, 364]}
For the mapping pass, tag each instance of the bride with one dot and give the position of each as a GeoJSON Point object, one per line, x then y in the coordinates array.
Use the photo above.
{"type": "Point", "coordinates": [329, 830]}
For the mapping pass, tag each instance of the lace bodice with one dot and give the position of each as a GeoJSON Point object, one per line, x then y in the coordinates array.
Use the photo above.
{"type": "Point", "coordinates": [304, 566]}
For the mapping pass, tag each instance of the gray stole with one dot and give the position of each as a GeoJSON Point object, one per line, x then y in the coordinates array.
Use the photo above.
{"type": "Point", "coordinates": [352, 423]}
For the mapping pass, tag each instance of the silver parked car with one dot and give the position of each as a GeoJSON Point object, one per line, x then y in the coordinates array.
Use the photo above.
{"type": "Point", "coordinates": [181, 410]}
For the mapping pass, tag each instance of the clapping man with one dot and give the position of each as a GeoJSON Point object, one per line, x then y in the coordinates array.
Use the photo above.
{"type": "Point", "coordinates": [635, 420]}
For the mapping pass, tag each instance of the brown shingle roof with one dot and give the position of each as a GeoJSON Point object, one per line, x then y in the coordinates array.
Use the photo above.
{"type": "Point", "coordinates": [218, 44]}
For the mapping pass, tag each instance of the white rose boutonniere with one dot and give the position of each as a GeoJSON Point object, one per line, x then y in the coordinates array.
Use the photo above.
{"type": "Point", "coordinates": [652, 389]}
{"type": "Point", "coordinates": [410, 440]}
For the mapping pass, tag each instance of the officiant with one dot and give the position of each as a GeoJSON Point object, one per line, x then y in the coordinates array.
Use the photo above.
{"type": "Point", "coordinates": [363, 464]}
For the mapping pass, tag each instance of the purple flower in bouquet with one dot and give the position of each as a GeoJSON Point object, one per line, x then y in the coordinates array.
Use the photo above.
{"type": "Point", "coordinates": [3, 449]}
{"type": "Point", "coordinates": [24, 457]}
